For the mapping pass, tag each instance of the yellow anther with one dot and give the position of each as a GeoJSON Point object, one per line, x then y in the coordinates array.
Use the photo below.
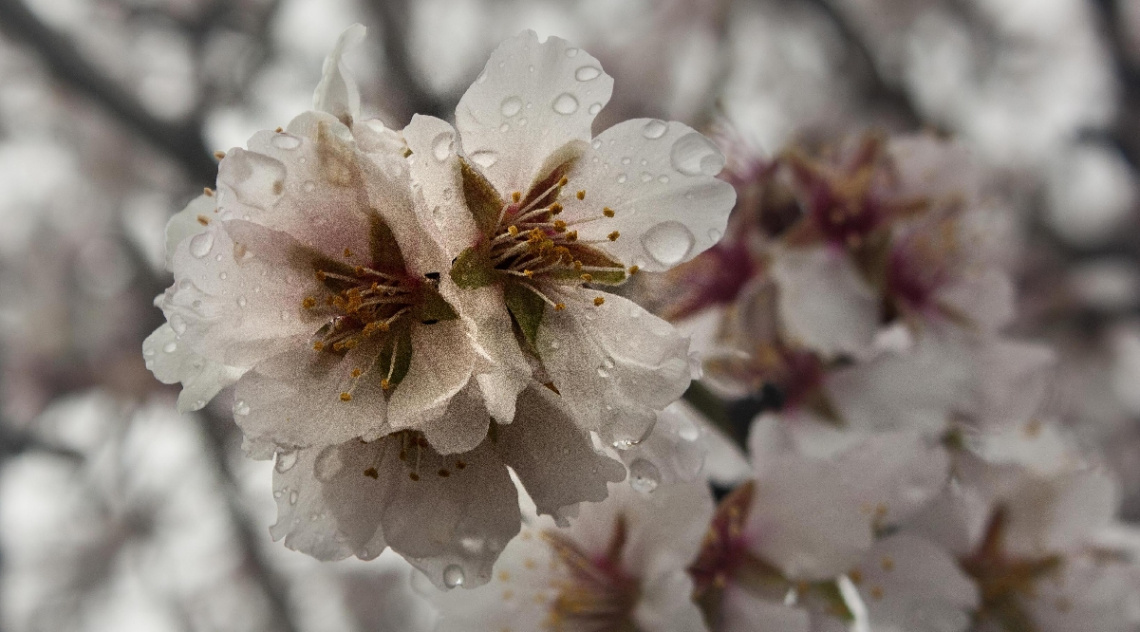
{"type": "Point", "coordinates": [357, 373]}
{"type": "Point", "coordinates": [528, 273]}
{"type": "Point", "coordinates": [208, 192]}
{"type": "Point", "coordinates": [460, 465]}
{"type": "Point", "coordinates": [385, 384]}
{"type": "Point", "coordinates": [559, 307]}
{"type": "Point", "coordinates": [309, 302]}
{"type": "Point", "coordinates": [587, 277]}
{"type": "Point", "coordinates": [347, 252]}
{"type": "Point", "coordinates": [372, 473]}
{"type": "Point", "coordinates": [443, 473]}
{"type": "Point", "coordinates": [577, 265]}
{"type": "Point", "coordinates": [614, 235]}
{"type": "Point", "coordinates": [555, 208]}
{"type": "Point", "coordinates": [516, 196]}
{"type": "Point", "coordinates": [535, 235]}
{"type": "Point", "coordinates": [346, 397]}
{"type": "Point", "coordinates": [350, 343]}
{"type": "Point", "coordinates": [598, 301]}
{"type": "Point", "coordinates": [321, 276]}
{"type": "Point", "coordinates": [203, 220]}
{"type": "Point", "coordinates": [318, 346]}
{"type": "Point", "coordinates": [634, 270]}
{"type": "Point", "coordinates": [563, 181]}
{"type": "Point", "coordinates": [608, 212]}
{"type": "Point", "coordinates": [559, 225]}
{"type": "Point", "coordinates": [572, 236]}
{"type": "Point", "coordinates": [219, 155]}
{"type": "Point", "coordinates": [413, 476]}
{"type": "Point", "coordinates": [581, 195]}
{"type": "Point", "coordinates": [513, 230]}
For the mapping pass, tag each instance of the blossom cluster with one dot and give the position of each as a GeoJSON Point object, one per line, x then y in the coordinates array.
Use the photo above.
{"type": "Point", "coordinates": [433, 332]}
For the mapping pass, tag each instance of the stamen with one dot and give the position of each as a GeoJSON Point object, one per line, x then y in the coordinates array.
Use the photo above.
{"type": "Point", "coordinates": [345, 397]}
{"type": "Point", "coordinates": [219, 155]}
{"type": "Point", "coordinates": [599, 301]}
{"type": "Point", "coordinates": [608, 212]}
{"type": "Point", "coordinates": [208, 192]}
{"type": "Point", "coordinates": [516, 196]}
{"type": "Point", "coordinates": [634, 270]}
{"type": "Point", "coordinates": [309, 302]}
{"type": "Point", "coordinates": [613, 236]}
{"type": "Point", "coordinates": [203, 220]}
{"type": "Point", "coordinates": [582, 195]}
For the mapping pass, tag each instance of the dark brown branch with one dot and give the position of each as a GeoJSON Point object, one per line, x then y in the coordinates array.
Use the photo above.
{"type": "Point", "coordinates": [181, 141]}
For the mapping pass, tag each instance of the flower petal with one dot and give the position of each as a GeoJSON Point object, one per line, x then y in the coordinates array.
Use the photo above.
{"type": "Point", "coordinates": [502, 369]}
{"type": "Point", "coordinates": [337, 92]}
{"type": "Point", "coordinates": [532, 99]}
{"type": "Point", "coordinates": [462, 426]}
{"type": "Point", "coordinates": [614, 364]}
{"type": "Point", "coordinates": [434, 166]}
{"type": "Point", "coordinates": [441, 365]}
{"type": "Point", "coordinates": [171, 362]}
{"type": "Point", "coordinates": [658, 179]}
{"type": "Point", "coordinates": [188, 222]}
{"type": "Point", "coordinates": [554, 459]}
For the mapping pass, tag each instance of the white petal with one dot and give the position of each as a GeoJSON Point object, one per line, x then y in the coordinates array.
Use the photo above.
{"type": "Point", "coordinates": [462, 426]}
{"type": "Point", "coordinates": [238, 304]}
{"type": "Point", "coordinates": [435, 171]}
{"type": "Point", "coordinates": [337, 92]}
{"type": "Point", "coordinates": [892, 475]}
{"type": "Point", "coordinates": [744, 612]}
{"type": "Point", "coordinates": [294, 398]}
{"type": "Point", "coordinates": [1010, 382]}
{"type": "Point", "coordinates": [171, 362]}
{"type": "Point", "coordinates": [823, 302]}
{"type": "Point", "coordinates": [441, 365]}
{"type": "Point", "coordinates": [187, 223]}
{"type": "Point", "coordinates": [658, 178]}
{"type": "Point", "coordinates": [1059, 513]}
{"type": "Point", "coordinates": [1088, 594]}
{"type": "Point", "coordinates": [502, 369]}
{"type": "Point", "coordinates": [667, 604]}
{"type": "Point", "coordinates": [986, 298]}
{"type": "Point", "coordinates": [326, 505]}
{"type": "Point", "coordinates": [554, 459]}
{"type": "Point", "coordinates": [532, 99]}
{"type": "Point", "coordinates": [909, 584]}
{"type": "Point", "coordinates": [614, 364]}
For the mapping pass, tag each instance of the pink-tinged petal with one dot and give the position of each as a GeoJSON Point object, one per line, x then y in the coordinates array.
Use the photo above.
{"type": "Point", "coordinates": [326, 506]}
{"type": "Point", "coordinates": [892, 475]}
{"type": "Point", "coordinates": [238, 301]}
{"type": "Point", "coordinates": [532, 99]}
{"type": "Point", "coordinates": [435, 166]}
{"type": "Point", "coordinates": [659, 180]}
{"type": "Point", "coordinates": [823, 301]}
{"type": "Point", "coordinates": [462, 426]}
{"type": "Point", "coordinates": [1010, 382]}
{"type": "Point", "coordinates": [667, 604]}
{"type": "Point", "coordinates": [305, 181]}
{"type": "Point", "coordinates": [441, 365]}
{"type": "Point", "coordinates": [188, 222]}
{"type": "Point", "coordinates": [1058, 513]}
{"type": "Point", "coordinates": [337, 93]}
{"type": "Point", "coordinates": [1088, 594]}
{"type": "Point", "coordinates": [452, 527]}
{"type": "Point", "coordinates": [555, 460]}
{"type": "Point", "coordinates": [909, 583]}
{"type": "Point", "coordinates": [502, 371]}
{"type": "Point", "coordinates": [171, 362]}
{"type": "Point", "coordinates": [614, 364]}
{"type": "Point", "coordinates": [986, 299]}
{"type": "Point", "coordinates": [741, 611]}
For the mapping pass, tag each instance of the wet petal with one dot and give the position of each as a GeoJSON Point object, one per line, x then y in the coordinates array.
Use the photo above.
{"type": "Point", "coordinates": [171, 362]}
{"type": "Point", "coordinates": [188, 222]}
{"type": "Point", "coordinates": [337, 92]}
{"type": "Point", "coordinates": [463, 426]}
{"type": "Point", "coordinates": [434, 165]}
{"type": "Point", "coordinates": [531, 100]}
{"type": "Point", "coordinates": [441, 366]}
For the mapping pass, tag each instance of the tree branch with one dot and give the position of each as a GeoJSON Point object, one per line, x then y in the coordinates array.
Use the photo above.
{"type": "Point", "coordinates": [181, 141]}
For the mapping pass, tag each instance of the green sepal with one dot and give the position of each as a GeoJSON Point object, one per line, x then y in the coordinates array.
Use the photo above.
{"type": "Point", "coordinates": [614, 277]}
{"type": "Point", "coordinates": [482, 199]}
{"type": "Point", "coordinates": [386, 255]}
{"type": "Point", "coordinates": [472, 269]}
{"type": "Point", "coordinates": [527, 309]}
{"type": "Point", "coordinates": [832, 598]}
{"type": "Point", "coordinates": [434, 308]}
{"type": "Point", "coordinates": [399, 344]}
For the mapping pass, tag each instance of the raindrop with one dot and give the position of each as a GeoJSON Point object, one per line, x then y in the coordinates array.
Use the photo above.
{"type": "Point", "coordinates": [286, 141]}
{"type": "Point", "coordinates": [623, 444]}
{"type": "Point", "coordinates": [441, 146]}
{"type": "Point", "coordinates": [646, 176]}
{"type": "Point", "coordinates": [668, 242]}
{"type": "Point", "coordinates": [511, 106]}
{"type": "Point", "coordinates": [485, 158]}
{"type": "Point", "coordinates": [241, 301]}
{"type": "Point", "coordinates": [453, 576]}
{"type": "Point", "coordinates": [178, 324]}
{"type": "Point", "coordinates": [621, 178]}
{"type": "Point", "coordinates": [586, 73]}
{"type": "Point", "coordinates": [148, 352]}
{"type": "Point", "coordinates": [256, 179]}
{"type": "Point", "coordinates": [714, 235]}
{"type": "Point", "coordinates": [223, 276]}
{"type": "Point", "coordinates": [663, 179]}
{"type": "Point", "coordinates": [695, 155]}
{"type": "Point", "coordinates": [688, 430]}
{"type": "Point", "coordinates": [597, 144]}
{"type": "Point", "coordinates": [565, 104]}
{"type": "Point", "coordinates": [644, 476]}
{"type": "Point", "coordinates": [218, 258]}
{"type": "Point", "coordinates": [603, 373]}
{"type": "Point", "coordinates": [293, 495]}
{"type": "Point", "coordinates": [482, 77]}
{"type": "Point", "coordinates": [201, 244]}
{"type": "Point", "coordinates": [170, 347]}
{"type": "Point", "coordinates": [626, 160]}
{"type": "Point", "coordinates": [595, 108]}
{"type": "Point", "coordinates": [285, 461]}
{"type": "Point", "coordinates": [554, 344]}
{"type": "Point", "coordinates": [328, 464]}
{"type": "Point", "coordinates": [309, 186]}
{"type": "Point", "coordinates": [278, 494]}
{"type": "Point", "coordinates": [571, 52]}
{"type": "Point", "coordinates": [504, 127]}
{"type": "Point", "coordinates": [241, 408]}
{"type": "Point", "coordinates": [654, 129]}
{"type": "Point", "coordinates": [608, 363]}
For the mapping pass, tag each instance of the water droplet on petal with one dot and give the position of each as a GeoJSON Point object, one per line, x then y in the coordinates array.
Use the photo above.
{"type": "Point", "coordinates": [714, 235]}
{"type": "Point", "coordinates": [668, 242]}
{"type": "Point", "coordinates": [178, 324]}
{"type": "Point", "coordinates": [223, 276]}
{"type": "Point", "coordinates": [663, 179]}
{"type": "Point", "coordinates": [621, 178]}
{"type": "Point", "coordinates": [597, 144]}
{"type": "Point", "coordinates": [622, 444]}
{"type": "Point", "coordinates": [201, 244]}
{"type": "Point", "coordinates": [655, 129]}
{"type": "Point", "coordinates": [286, 141]}
{"type": "Point", "coordinates": [571, 52]}
{"type": "Point", "coordinates": [644, 476]}
{"type": "Point", "coordinates": [586, 73]}
{"type": "Point", "coordinates": [241, 408]}
{"type": "Point", "coordinates": [293, 497]}
{"type": "Point", "coordinates": [170, 347]}
{"type": "Point", "coordinates": [646, 176]}
{"type": "Point", "coordinates": [485, 158]}
{"type": "Point", "coordinates": [695, 155]}
{"type": "Point", "coordinates": [241, 301]}
{"type": "Point", "coordinates": [595, 108]}
{"type": "Point", "coordinates": [482, 77]}
{"type": "Point", "coordinates": [603, 373]}
{"type": "Point", "coordinates": [328, 464]}
{"type": "Point", "coordinates": [285, 461]}
{"type": "Point", "coordinates": [511, 106]}
{"type": "Point", "coordinates": [608, 362]}
{"type": "Point", "coordinates": [441, 146]}
{"type": "Point", "coordinates": [453, 576]}
{"type": "Point", "coordinates": [504, 127]}
{"type": "Point", "coordinates": [565, 104]}
{"type": "Point", "coordinates": [278, 494]}
{"type": "Point", "coordinates": [448, 193]}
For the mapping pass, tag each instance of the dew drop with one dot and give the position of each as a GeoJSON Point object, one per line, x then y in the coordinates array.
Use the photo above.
{"type": "Point", "coordinates": [714, 235]}
{"type": "Point", "coordinates": [644, 476]}
{"type": "Point", "coordinates": [621, 178]}
{"type": "Point", "coordinates": [504, 127]}
{"type": "Point", "coordinates": [623, 444]}
{"type": "Point", "coordinates": [511, 106]}
{"type": "Point", "coordinates": [241, 408]}
{"type": "Point", "coordinates": [603, 373]}
{"type": "Point", "coordinates": [170, 347]}
{"type": "Point", "coordinates": [554, 344]}
{"type": "Point", "coordinates": [597, 144]}
{"type": "Point", "coordinates": [218, 258]}
{"type": "Point", "coordinates": [256, 179]}
{"type": "Point", "coordinates": [148, 352]}
{"type": "Point", "coordinates": [223, 276]}
{"type": "Point", "coordinates": [626, 160]}
{"type": "Point", "coordinates": [586, 73]}
{"type": "Point", "coordinates": [565, 104]}
{"type": "Point", "coordinates": [646, 176]}
{"type": "Point", "coordinates": [608, 363]}
{"type": "Point", "coordinates": [453, 576]}
{"type": "Point", "coordinates": [241, 301]}
{"type": "Point", "coordinates": [328, 464]}
{"type": "Point", "coordinates": [441, 146]}
{"type": "Point", "coordinates": [668, 242]}
{"type": "Point", "coordinates": [595, 108]}
{"type": "Point", "coordinates": [178, 324]}
{"type": "Point", "coordinates": [201, 244]}
{"type": "Point", "coordinates": [286, 141]}
{"type": "Point", "coordinates": [482, 77]}
{"type": "Point", "coordinates": [285, 461]}
{"type": "Point", "coordinates": [278, 494]}
{"type": "Point", "coordinates": [293, 495]}
{"type": "Point", "coordinates": [485, 158]}
{"type": "Point", "coordinates": [654, 129]}
{"type": "Point", "coordinates": [695, 155]}
{"type": "Point", "coordinates": [571, 52]}
{"type": "Point", "coordinates": [663, 179]}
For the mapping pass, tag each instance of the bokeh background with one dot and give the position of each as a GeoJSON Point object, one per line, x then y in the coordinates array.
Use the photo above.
{"type": "Point", "coordinates": [117, 513]}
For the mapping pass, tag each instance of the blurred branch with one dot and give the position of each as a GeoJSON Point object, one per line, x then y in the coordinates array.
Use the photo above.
{"type": "Point", "coordinates": [1126, 133]}
{"type": "Point", "coordinates": [394, 18]}
{"type": "Point", "coordinates": [13, 442]}
{"type": "Point", "coordinates": [181, 141]}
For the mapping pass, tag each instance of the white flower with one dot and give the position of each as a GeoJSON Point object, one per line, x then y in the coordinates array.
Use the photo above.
{"type": "Point", "coordinates": [537, 213]}
{"type": "Point", "coordinates": [621, 566]}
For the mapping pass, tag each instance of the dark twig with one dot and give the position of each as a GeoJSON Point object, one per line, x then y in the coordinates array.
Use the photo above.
{"type": "Point", "coordinates": [181, 141]}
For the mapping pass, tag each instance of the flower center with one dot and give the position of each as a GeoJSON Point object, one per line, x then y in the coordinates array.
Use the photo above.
{"type": "Point", "coordinates": [597, 594]}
